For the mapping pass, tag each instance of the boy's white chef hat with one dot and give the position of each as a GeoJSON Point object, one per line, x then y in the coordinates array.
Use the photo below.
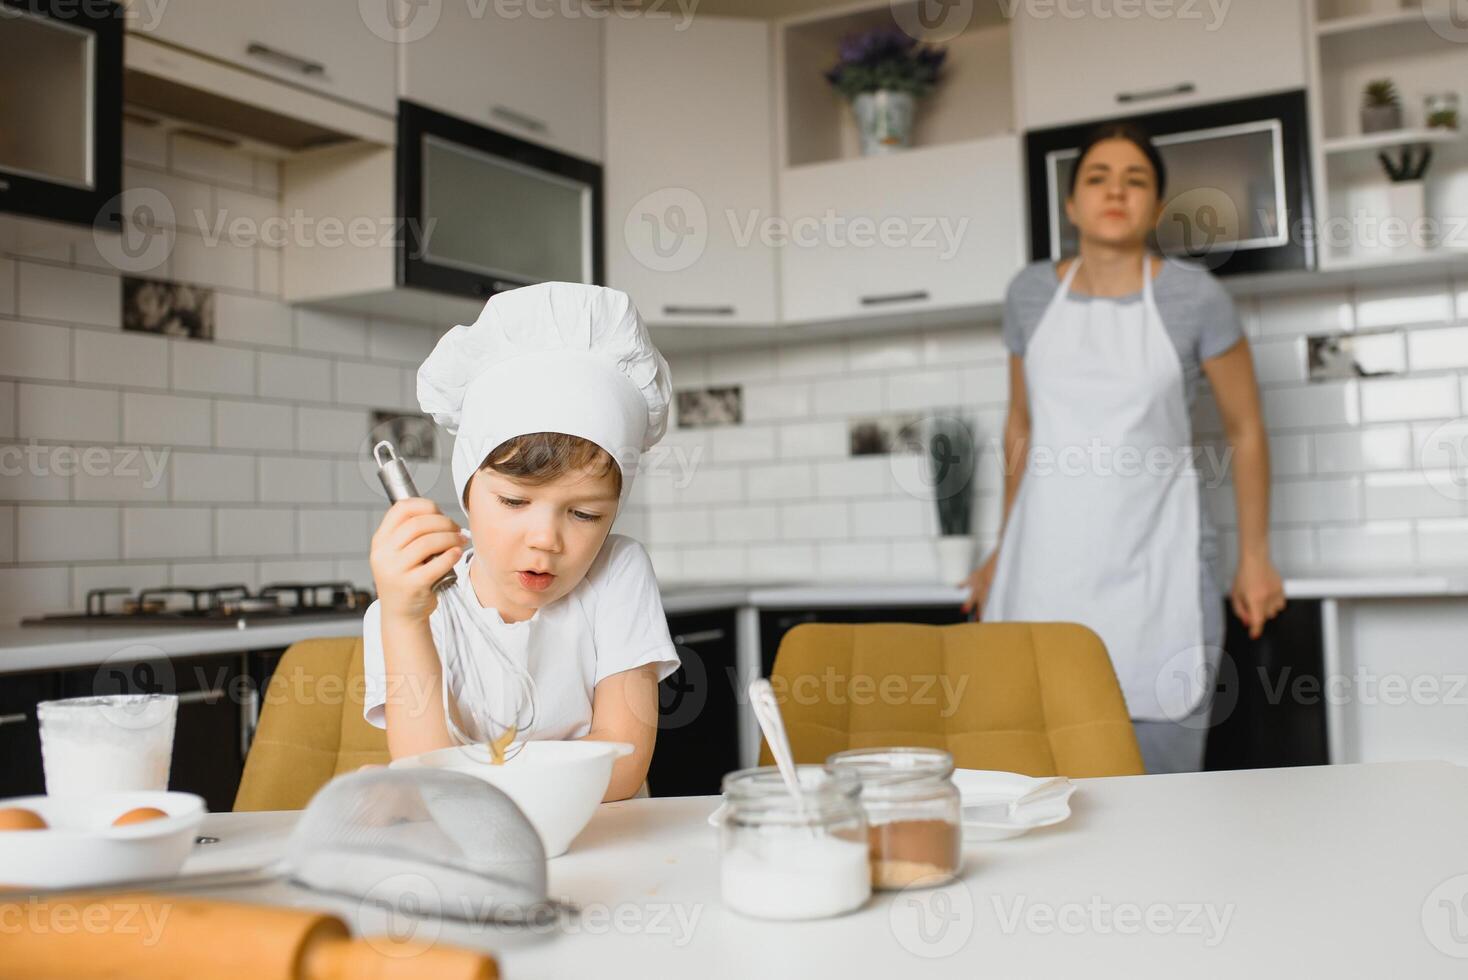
{"type": "Point", "coordinates": [553, 357]}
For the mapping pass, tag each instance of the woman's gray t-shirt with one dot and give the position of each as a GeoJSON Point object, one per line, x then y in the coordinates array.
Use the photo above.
{"type": "Point", "coordinates": [1197, 312]}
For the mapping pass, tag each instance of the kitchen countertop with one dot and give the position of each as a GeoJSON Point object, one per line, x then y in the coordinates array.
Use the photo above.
{"type": "Point", "coordinates": [56, 647]}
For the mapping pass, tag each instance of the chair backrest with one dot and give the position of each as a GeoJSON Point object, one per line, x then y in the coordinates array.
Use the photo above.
{"type": "Point", "coordinates": [311, 726]}
{"type": "Point", "coordinates": [1034, 698]}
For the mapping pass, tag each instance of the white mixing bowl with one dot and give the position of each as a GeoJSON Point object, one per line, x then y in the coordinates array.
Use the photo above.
{"type": "Point", "coordinates": [557, 785]}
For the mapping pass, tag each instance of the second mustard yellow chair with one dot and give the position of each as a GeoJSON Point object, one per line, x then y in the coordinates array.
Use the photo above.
{"type": "Point", "coordinates": [311, 726]}
{"type": "Point", "coordinates": [1034, 698]}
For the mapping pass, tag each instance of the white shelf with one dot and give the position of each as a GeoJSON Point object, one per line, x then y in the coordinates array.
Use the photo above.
{"type": "Point", "coordinates": [1385, 140]}
{"type": "Point", "coordinates": [1339, 26]}
{"type": "Point", "coordinates": [1396, 259]}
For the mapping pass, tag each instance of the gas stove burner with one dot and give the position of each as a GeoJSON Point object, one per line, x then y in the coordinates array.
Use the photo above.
{"type": "Point", "coordinates": [218, 605]}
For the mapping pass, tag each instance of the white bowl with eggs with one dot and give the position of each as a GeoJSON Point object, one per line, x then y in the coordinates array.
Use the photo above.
{"type": "Point", "coordinates": [557, 785]}
{"type": "Point", "coordinates": [81, 845]}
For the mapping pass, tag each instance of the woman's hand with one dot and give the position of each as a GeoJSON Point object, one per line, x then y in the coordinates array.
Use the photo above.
{"type": "Point", "coordinates": [1258, 594]}
{"type": "Point", "coordinates": [415, 546]}
{"type": "Point", "coordinates": [978, 584]}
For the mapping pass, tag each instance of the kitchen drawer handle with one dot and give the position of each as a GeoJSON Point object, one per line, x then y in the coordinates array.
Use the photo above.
{"type": "Point", "coordinates": [698, 311]}
{"type": "Point", "coordinates": [518, 118]}
{"type": "Point", "coordinates": [302, 65]}
{"type": "Point", "coordinates": [195, 697]}
{"type": "Point", "coordinates": [4, 185]}
{"type": "Point", "coordinates": [916, 297]}
{"type": "Point", "coordinates": [20, 718]}
{"type": "Point", "coordinates": [699, 636]}
{"type": "Point", "coordinates": [1185, 88]}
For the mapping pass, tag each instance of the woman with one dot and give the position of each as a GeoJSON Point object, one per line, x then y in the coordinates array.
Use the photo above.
{"type": "Point", "coordinates": [1103, 523]}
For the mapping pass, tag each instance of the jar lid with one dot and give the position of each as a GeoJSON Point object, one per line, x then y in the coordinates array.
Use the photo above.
{"type": "Point", "coordinates": [895, 772]}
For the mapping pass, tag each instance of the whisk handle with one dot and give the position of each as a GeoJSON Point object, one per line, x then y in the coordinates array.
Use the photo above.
{"type": "Point", "coordinates": [398, 483]}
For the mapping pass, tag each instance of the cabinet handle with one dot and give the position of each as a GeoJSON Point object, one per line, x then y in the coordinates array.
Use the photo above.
{"type": "Point", "coordinates": [699, 636]}
{"type": "Point", "coordinates": [4, 185]}
{"type": "Point", "coordinates": [195, 697]}
{"type": "Point", "coordinates": [302, 65]}
{"type": "Point", "coordinates": [916, 297]}
{"type": "Point", "coordinates": [518, 119]}
{"type": "Point", "coordinates": [1146, 95]}
{"type": "Point", "coordinates": [698, 311]}
{"type": "Point", "coordinates": [20, 718]}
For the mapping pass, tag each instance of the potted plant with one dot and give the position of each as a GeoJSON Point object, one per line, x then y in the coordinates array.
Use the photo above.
{"type": "Point", "coordinates": [1442, 111]}
{"type": "Point", "coordinates": [1407, 194]}
{"type": "Point", "coordinates": [950, 448]}
{"type": "Point", "coordinates": [883, 72]}
{"type": "Point", "coordinates": [1382, 109]}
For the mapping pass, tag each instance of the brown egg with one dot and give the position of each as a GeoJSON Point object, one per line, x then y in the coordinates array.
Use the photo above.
{"type": "Point", "coordinates": [140, 815]}
{"type": "Point", "coordinates": [19, 818]}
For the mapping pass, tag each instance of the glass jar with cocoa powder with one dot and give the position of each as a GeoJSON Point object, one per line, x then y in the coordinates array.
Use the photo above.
{"type": "Point", "coordinates": [914, 824]}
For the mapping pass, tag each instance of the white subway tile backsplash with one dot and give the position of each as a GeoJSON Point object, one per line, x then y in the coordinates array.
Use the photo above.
{"type": "Point", "coordinates": [221, 264]}
{"type": "Point", "coordinates": [865, 476]}
{"type": "Point", "coordinates": [355, 570]}
{"type": "Point", "coordinates": [984, 384]}
{"type": "Point", "coordinates": [1289, 455]}
{"type": "Point", "coordinates": [781, 562]}
{"type": "Point", "coordinates": [1369, 547]}
{"type": "Point", "coordinates": [242, 532]}
{"type": "Point", "coordinates": [243, 215]}
{"type": "Point", "coordinates": [167, 532]}
{"type": "Point", "coordinates": [922, 391]}
{"type": "Point", "coordinates": [967, 343]}
{"type": "Point", "coordinates": [746, 524]}
{"type": "Point", "coordinates": [32, 591]}
{"type": "Point", "coordinates": [295, 376]}
{"type": "Point", "coordinates": [1395, 305]}
{"type": "Point", "coordinates": [742, 365]}
{"type": "Point", "coordinates": [916, 560]}
{"type": "Point", "coordinates": [376, 385]}
{"type": "Point", "coordinates": [706, 485]}
{"type": "Point", "coordinates": [288, 479]}
{"type": "Point", "coordinates": [332, 333]}
{"type": "Point", "coordinates": [7, 409]}
{"type": "Point", "coordinates": [813, 440]}
{"type": "Point", "coordinates": [7, 535]}
{"type": "Point", "coordinates": [1436, 350]}
{"type": "Point", "coordinates": [335, 531]}
{"type": "Point", "coordinates": [190, 200]}
{"type": "Point", "coordinates": [49, 292]}
{"type": "Point", "coordinates": [57, 413]}
{"type": "Point", "coordinates": [1398, 399]}
{"type": "Point", "coordinates": [844, 561]}
{"type": "Point", "coordinates": [136, 576]}
{"type": "Point", "coordinates": [825, 520]}
{"type": "Point", "coordinates": [355, 484]}
{"type": "Point", "coordinates": [1328, 312]}
{"type": "Point", "coordinates": [780, 481]}
{"type": "Point", "coordinates": [35, 350]}
{"type": "Point", "coordinates": [66, 533]}
{"type": "Point", "coordinates": [687, 368]}
{"type": "Point", "coordinates": [884, 353]}
{"type": "Point", "coordinates": [7, 287]}
{"type": "Point", "coordinates": [1279, 361]}
{"type": "Point", "coordinates": [212, 477]}
{"type": "Point", "coordinates": [211, 161]}
{"type": "Point", "coordinates": [1311, 406]}
{"type": "Point", "coordinates": [683, 526]}
{"type": "Point", "coordinates": [714, 564]}
{"type": "Point", "coordinates": [899, 518]}
{"type": "Point", "coordinates": [319, 570]}
{"type": "Point", "coordinates": [742, 444]}
{"type": "Point", "coordinates": [388, 340]}
{"type": "Point", "coordinates": [848, 396]}
{"type": "Point", "coordinates": [253, 425]}
{"type": "Point", "coordinates": [204, 367]}
{"type": "Point", "coordinates": [203, 573]}
{"type": "Point", "coordinates": [31, 472]}
{"type": "Point", "coordinates": [1315, 501]}
{"type": "Point", "coordinates": [765, 402]}
{"type": "Point", "coordinates": [331, 430]}
{"type": "Point", "coordinates": [1392, 496]}
{"type": "Point", "coordinates": [268, 272]}
{"type": "Point", "coordinates": [252, 320]}
{"type": "Point", "coordinates": [125, 475]}
{"type": "Point", "coordinates": [165, 420]}
{"type": "Point", "coordinates": [809, 360]}
{"type": "Point", "coordinates": [267, 176]}
{"type": "Point", "coordinates": [1442, 543]}
{"type": "Point", "coordinates": [1357, 450]}
{"type": "Point", "coordinates": [120, 358]}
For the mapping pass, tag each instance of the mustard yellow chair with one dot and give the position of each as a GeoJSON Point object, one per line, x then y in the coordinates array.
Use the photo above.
{"type": "Point", "coordinates": [1035, 698]}
{"type": "Point", "coordinates": [311, 726]}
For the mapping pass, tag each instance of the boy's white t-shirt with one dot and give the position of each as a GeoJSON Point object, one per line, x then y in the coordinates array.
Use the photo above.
{"type": "Point", "coordinates": [611, 621]}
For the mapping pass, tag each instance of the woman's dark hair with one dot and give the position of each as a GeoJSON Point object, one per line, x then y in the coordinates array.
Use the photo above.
{"type": "Point", "coordinates": [1133, 134]}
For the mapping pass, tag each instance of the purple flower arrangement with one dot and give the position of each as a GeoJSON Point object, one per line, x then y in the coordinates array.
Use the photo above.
{"type": "Point", "coordinates": [885, 59]}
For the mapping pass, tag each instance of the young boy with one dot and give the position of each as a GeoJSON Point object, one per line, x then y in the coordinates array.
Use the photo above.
{"type": "Point", "coordinates": [554, 393]}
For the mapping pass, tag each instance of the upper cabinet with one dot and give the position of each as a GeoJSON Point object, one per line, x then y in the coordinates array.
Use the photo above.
{"type": "Point", "coordinates": [1179, 55]}
{"type": "Point", "coordinates": [527, 69]}
{"type": "Point", "coordinates": [327, 46]}
{"type": "Point", "coordinates": [689, 174]}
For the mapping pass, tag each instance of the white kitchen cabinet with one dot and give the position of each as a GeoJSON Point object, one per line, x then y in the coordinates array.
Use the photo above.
{"type": "Point", "coordinates": [1074, 68]}
{"type": "Point", "coordinates": [323, 45]}
{"type": "Point", "coordinates": [933, 228]}
{"type": "Point", "coordinates": [690, 169]}
{"type": "Point", "coordinates": [533, 70]}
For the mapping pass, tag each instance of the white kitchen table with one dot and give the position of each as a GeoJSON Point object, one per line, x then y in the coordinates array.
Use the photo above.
{"type": "Point", "coordinates": [1343, 871]}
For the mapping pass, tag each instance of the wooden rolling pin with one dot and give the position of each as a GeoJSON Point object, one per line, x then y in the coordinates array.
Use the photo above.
{"type": "Point", "coordinates": [140, 936]}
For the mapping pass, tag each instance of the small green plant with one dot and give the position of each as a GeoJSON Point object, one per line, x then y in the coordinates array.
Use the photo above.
{"type": "Point", "coordinates": [885, 59]}
{"type": "Point", "coordinates": [1382, 94]}
{"type": "Point", "coordinates": [1443, 119]}
{"type": "Point", "coordinates": [1408, 166]}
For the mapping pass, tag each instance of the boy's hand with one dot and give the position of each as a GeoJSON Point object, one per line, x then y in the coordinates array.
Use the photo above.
{"type": "Point", "coordinates": [414, 546]}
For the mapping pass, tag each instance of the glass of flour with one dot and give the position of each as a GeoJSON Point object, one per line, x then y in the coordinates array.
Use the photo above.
{"type": "Point", "coordinates": [107, 744]}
